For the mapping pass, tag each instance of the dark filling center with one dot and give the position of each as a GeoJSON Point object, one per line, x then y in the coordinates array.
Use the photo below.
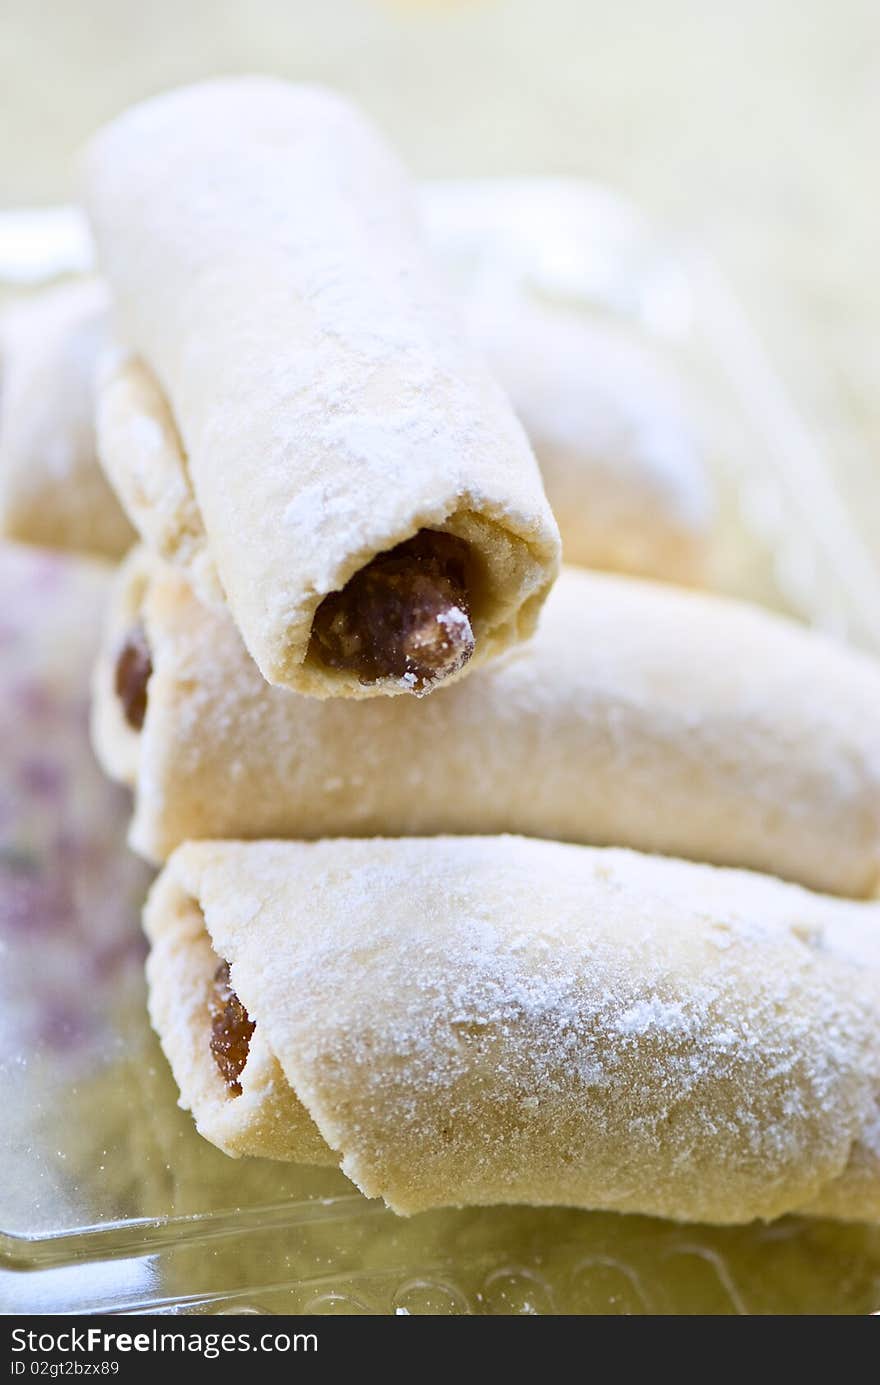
{"type": "Point", "coordinates": [406, 615]}
{"type": "Point", "coordinates": [231, 1030]}
{"type": "Point", "coordinates": [134, 668]}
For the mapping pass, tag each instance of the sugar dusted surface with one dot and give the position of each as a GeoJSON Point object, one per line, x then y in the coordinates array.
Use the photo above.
{"type": "Point", "coordinates": [327, 401]}
{"type": "Point", "coordinates": [480, 1020]}
{"type": "Point", "coordinates": [638, 715]}
{"type": "Point", "coordinates": [623, 463]}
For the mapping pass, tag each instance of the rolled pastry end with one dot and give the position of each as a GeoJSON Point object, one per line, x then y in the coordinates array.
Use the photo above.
{"type": "Point", "coordinates": [123, 671]}
{"type": "Point", "coordinates": [405, 616]}
{"type": "Point", "coordinates": [228, 1076]}
{"type": "Point", "coordinates": [132, 673]}
{"type": "Point", "coordinates": [231, 1030]}
{"type": "Point", "coordinates": [575, 1029]}
{"type": "Point", "coordinates": [377, 418]}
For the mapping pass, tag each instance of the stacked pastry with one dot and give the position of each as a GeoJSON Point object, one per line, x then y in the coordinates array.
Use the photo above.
{"type": "Point", "coordinates": [486, 1018]}
{"type": "Point", "coordinates": [661, 992]}
{"type": "Point", "coordinates": [619, 456]}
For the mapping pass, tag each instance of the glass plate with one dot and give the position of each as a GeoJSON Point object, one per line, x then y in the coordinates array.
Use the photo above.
{"type": "Point", "coordinates": [110, 1200]}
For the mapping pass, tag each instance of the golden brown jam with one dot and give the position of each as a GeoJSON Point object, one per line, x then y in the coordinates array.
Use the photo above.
{"type": "Point", "coordinates": [231, 1030]}
{"type": "Point", "coordinates": [134, 668]}
{"type": "Point", "coordinates": [406, 615]}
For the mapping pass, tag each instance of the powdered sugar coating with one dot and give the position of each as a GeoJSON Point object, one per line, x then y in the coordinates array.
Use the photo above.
{"type": "Point", "coordinates": [475, 1020]}
{"type": "Point", "coordinates": [621, 459]}
{"type": "Point", "coordinates": [638, 715]}
{"type": "Point", "coordinates": [263, 252]}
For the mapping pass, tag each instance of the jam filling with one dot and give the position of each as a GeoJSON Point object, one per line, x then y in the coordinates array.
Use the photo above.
{"type": "Point", "coordinates": [231, 1030]}
{"type": "Point", "coordinates": [406, 615]}
{"type": "Point", "coordinates": [134, 668]}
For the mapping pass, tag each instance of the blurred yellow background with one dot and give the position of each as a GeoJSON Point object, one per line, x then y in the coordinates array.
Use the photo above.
{"type": "Point", "coordinates": [751, 125]}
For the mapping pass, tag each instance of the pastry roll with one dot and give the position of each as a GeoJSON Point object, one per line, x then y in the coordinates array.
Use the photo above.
{"type": "Point", "coordinates": [462, 1021]}
{"type": "Point", "coordinates": [621, 463]}
{"type": "Point", "coordinates": [341, 464]}
{"type": "Point", "coordinates": [52, 491]}
{"type": "Point", "coordinates": [639, 715]}
{"type": "Point", "coordinates": [621, 468]}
